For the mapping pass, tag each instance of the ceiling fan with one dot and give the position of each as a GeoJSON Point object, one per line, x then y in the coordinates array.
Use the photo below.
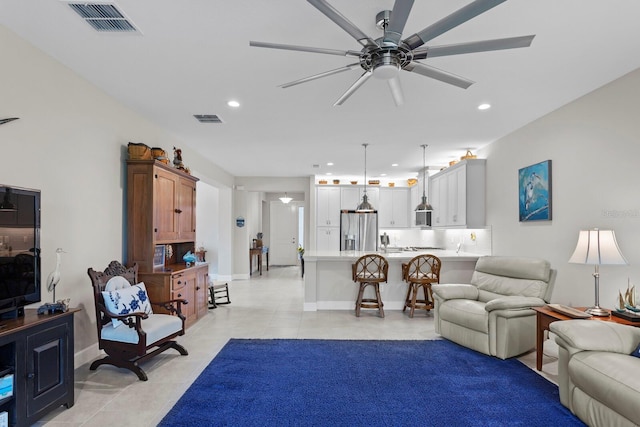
{"type": "Point", "coordinates": [386, 56]}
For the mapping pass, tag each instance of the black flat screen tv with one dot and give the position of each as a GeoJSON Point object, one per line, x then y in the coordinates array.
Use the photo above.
{"type": "Point", "coordinates": [19, 249]}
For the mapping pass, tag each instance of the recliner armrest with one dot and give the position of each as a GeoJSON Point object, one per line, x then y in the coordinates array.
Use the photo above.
{"type": "Point", "coordinates": [513, 303]}
{"type": "Point", "coordinates": [594, 335]}
{"type": "Point", "coordinates": [455, 291]}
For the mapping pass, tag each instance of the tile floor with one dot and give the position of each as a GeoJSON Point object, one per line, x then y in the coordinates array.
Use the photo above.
{"type": "Point", "coordinates": [267, 306]}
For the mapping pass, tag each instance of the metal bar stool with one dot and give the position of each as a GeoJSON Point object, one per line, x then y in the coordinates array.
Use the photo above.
{"type": "Point", "coordinates": [370, 270]}
{"type": "Point", "coordinates": [420, 272]}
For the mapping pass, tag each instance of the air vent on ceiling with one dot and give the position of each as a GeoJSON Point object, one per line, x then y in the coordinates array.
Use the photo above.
{"type": "Point", "coordinates": [208, 118]}
{"type": "Point", "coordinates": [103, 17]}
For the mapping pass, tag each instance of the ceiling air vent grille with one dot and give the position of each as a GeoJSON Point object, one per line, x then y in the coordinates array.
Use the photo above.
{"type": "Point", "coordinates": [208, 118]}
{"type": "Point", "coordinates": [103, 17]}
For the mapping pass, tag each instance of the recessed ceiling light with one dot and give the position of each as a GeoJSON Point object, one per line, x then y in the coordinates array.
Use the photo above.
{"type": "Point", "coordinates": [383, 174]}
{"type": "Point", "coordinates": [330, 164]}
{"type": "Point", "coordinates": [233, 104]}
{"type": "Point", "coordinates": [484, 106]}
{"type": "Point", "coordinates": [394, 164]}
{"type": "Point", "coordinates": [329, 173]}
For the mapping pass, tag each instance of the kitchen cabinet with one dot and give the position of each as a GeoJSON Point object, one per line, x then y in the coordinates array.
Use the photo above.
{"type": "Point", "coordinates": [328, 239]}
{"type": "Point", "coordinates": [437, 197]}
{"type": "Point", "coordinates": [328, 206]}
{"type": "Point", "coordinates": [393, 209]}
{"type": "Point", "coordinates": [351, 197]}
{"type": "Point", "coordinates": [458, 195]}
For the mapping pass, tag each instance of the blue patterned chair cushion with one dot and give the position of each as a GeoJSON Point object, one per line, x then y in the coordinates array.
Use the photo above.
{"type": "Point", "coordinates": [122, 298]}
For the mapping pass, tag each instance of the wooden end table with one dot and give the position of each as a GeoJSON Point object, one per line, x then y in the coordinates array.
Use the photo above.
{"type": "Point", "coordinates": [546, 316]}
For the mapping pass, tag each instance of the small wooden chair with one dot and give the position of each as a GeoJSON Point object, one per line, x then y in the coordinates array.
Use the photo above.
{"type": "Point", "coordinates": [370, 270]}
{"type": "Point", "coordinates": [420, 272]}
{"type": "Point", "coordinates": [218, 292]}
{"type": "Point", "coordinates": [142, 335]}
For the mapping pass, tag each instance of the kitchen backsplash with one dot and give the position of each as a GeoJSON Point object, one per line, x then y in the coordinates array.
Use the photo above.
{"type": "Point", "coordinates": [477, 241]}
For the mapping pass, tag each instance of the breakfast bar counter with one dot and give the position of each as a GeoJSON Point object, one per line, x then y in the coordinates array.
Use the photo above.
{"type": "Point", "coordinates": [328, 284]}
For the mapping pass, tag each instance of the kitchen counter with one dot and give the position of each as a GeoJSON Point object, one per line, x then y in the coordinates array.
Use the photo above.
{"type": "Point", "coordinates": [328, 284]}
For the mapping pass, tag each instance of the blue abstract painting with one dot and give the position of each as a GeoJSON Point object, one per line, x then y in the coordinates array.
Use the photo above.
{"type": "Point", "coordinates": [534, 186]}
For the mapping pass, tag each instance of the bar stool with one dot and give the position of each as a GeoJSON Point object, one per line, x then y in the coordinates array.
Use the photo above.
{"type": "Point", "coordinates": [420, 272]}
{"type": "Point", "coordinates": [370, 270]}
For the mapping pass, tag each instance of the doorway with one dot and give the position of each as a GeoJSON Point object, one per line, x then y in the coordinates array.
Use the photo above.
{"type": "Point", "coordinates": [285, 223]}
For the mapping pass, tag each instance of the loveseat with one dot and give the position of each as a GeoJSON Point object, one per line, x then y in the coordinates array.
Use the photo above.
{"type": "Point", "coordinates": [493, 313]}
{"type": "Point", "coordinates": [598, 379]}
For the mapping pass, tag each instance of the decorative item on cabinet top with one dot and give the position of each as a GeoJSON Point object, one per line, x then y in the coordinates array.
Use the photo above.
{"type": "Point", "coordinates": [177, 160]}
{"type": "Point", "coordinates": [468, 155]}
{"type": "Point", "coordinates": [139, 151]}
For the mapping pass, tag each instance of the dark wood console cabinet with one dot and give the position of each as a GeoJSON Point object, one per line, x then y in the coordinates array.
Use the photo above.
{"type": "Point", "coordinates": [38, 351]}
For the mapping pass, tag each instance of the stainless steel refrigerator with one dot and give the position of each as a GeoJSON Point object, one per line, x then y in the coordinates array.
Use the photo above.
{"type": "Point", "coordinates": [359, 231]}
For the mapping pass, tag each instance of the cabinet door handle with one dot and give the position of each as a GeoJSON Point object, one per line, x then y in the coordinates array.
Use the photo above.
{"type": "Point", "coordinates": [31, 375]}
{"type": "Point", "coordinates": [197, 288]}
{"type": "Point", "coordinates": [179, 282]}
{"type": "Point", "coordinates": [179, 295]}
{"type": "Point", "coordinates": [178, 211]}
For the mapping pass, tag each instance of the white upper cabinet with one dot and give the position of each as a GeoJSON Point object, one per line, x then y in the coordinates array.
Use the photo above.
{"type": "Point", "coordinates": [328, 207]}
{"type": "Point", "coordinates": [458, 195]}
{"type": "Point", "coordinates": [393, 210]}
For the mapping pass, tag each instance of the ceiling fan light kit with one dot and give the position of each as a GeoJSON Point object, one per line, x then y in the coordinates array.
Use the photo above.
{"type": "Point", "coordinates": [386, 56]}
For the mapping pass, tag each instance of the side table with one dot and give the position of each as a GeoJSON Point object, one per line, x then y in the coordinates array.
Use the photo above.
{"type": "Point", "coordinates": [545, 316]}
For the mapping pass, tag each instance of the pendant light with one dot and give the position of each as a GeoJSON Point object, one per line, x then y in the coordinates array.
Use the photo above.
{"type": "Point", "coordinates": [7, 204]}
{"type": "Point", "coordinates": [285, 199]}
{"type": "Point", "coordinates": [365, 206]}
{"type": "Point", "coordinates": [424, 206]}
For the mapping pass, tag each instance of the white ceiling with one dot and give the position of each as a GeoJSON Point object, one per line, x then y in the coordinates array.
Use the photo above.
{"type": "Point", "coordinates": [192, 56]}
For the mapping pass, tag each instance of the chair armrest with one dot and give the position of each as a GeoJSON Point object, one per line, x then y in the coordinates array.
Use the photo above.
{"type": "Point", "coordinates": [594, 335]}
{"type": "Point", "coordinates": [455, 291]}
{"type": "Point", "coordinates": [173, 306]}
{"type": "Point", "coordinates": [513, 303]}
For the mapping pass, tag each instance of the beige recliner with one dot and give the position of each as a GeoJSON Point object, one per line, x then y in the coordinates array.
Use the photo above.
{"type": "Point", "coordinates": [597, 376]}
{"type": "Point", "coordinates": [493, 313]}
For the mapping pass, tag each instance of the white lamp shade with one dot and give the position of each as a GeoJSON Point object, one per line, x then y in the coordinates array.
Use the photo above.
{"type": "Point", "coordinates": [597, 247]}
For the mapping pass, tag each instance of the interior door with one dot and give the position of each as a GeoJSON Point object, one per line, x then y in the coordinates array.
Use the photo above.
{"type": "Point", "coordinates": [283, 242]}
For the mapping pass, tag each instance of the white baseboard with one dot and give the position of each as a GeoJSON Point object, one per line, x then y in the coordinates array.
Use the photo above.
{"type": "Point", "coordinates": [87, 355]}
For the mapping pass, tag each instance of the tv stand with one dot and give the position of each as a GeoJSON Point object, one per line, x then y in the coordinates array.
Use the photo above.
{"type": "Point", "coordinates": [37, 351]}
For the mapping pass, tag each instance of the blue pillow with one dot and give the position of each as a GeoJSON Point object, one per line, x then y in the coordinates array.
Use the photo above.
{"type": "Point", "coordinates": [636, 352]}
{"type": "Point", "coordinates": [127, 300]}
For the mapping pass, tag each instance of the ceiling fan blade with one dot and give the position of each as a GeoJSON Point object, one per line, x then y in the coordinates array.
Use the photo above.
{"type": "Point", "coordinates": [320, 75]}
{"type": "Point", "coordinates": [453, 20]}
{"type": "Point", "coordinates": [343, 22]}
{"type": "Point", "coordinates": [396, 91]}
{"type": "Point", "coordinates": [363, 78]}
{"type": "Point", "coordinates": [397, 21]}
{"type": "Point", "coordinates": [305, 48]}
{"type": "Point", "coordinates": [438, 74]}
{"type": "Point", "coordinates": [473, 47]}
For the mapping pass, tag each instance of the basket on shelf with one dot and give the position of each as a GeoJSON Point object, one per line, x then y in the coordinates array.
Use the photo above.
{"type": "Point", "coordinates": [469, 155]}
{"type": "Point", "coordinates": [139, 151]}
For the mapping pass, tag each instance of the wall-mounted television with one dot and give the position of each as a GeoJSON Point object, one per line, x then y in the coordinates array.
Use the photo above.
{"type": "Point", "coordinates": [19, 249]}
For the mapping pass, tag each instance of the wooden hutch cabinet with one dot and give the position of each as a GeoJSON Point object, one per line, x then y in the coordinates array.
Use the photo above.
{"type": "Point", "coordinates": [161, 214]}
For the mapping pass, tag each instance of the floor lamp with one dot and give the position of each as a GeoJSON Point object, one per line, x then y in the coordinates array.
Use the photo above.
{"type": "Point", "coordinates": [597, 247]}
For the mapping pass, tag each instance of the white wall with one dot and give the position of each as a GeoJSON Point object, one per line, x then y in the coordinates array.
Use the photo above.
{"type": "Point", "coordinates": [70, 143]}
{"type": "Point", "coordinates": [594, 145]}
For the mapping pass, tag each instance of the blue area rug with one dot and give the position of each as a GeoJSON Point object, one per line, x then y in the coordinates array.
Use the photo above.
{"type": "Point", "coordinates": [365, 383]}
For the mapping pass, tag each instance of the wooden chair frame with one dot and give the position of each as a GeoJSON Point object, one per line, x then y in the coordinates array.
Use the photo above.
{"type": "Point", "coordinates": [370, 270]}
{"type": "Point", "coordinates": [420, 272]}
{"type": "Point", "coordinates": [127, 355]}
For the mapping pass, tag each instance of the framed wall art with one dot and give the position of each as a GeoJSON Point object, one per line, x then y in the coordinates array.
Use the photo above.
{"type": "Point", "coordinates": [534, 192]}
